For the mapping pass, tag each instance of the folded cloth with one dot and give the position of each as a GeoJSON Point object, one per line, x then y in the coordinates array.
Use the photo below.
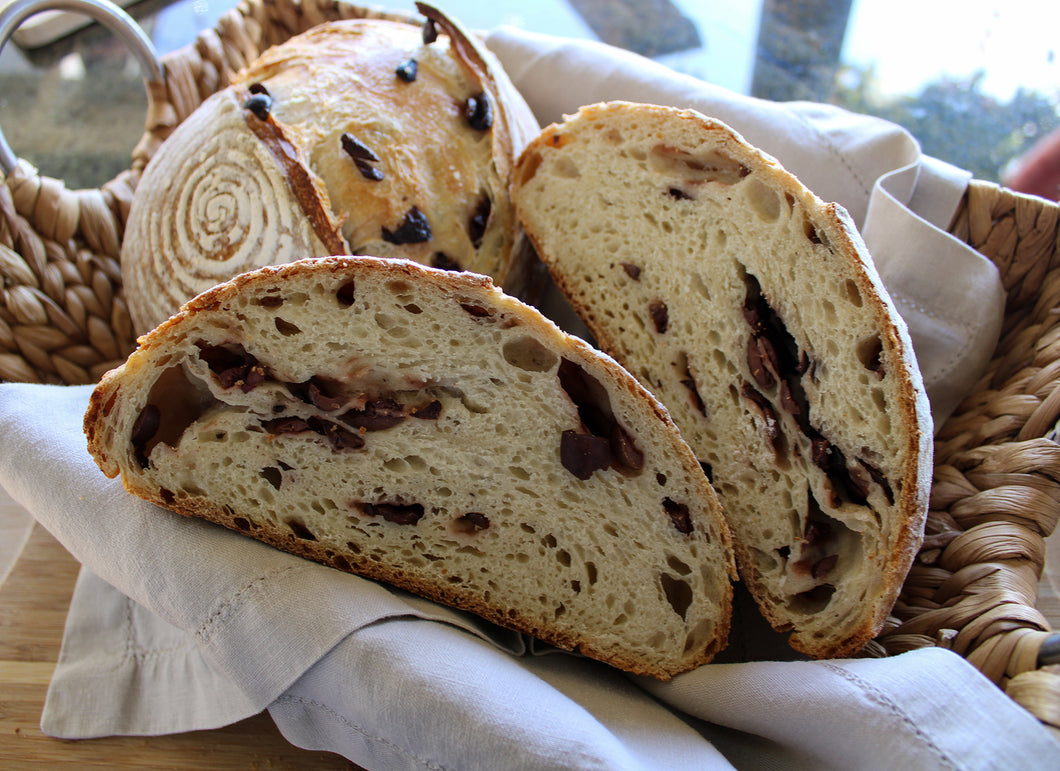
{"type": "Point", "coordinates": [177, 625]}
{"type": "Point", "coordinates": [16, 524]}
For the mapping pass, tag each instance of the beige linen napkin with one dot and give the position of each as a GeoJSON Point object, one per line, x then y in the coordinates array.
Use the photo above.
{"type": "Point", "coordinates": [15, 526]}
{"type": "Point", "coordinates": [176, 624]}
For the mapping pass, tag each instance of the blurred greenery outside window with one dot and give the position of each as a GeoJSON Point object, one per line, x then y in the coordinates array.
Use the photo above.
{"type": "Point", "coordinates": [954, 120]}
{"type": "Point", "coordinates": [799, 50]}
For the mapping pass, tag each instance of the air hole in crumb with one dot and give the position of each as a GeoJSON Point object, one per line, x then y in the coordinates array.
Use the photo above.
{"type": "Point", "coordinates": [273, 476]}
{"type": "Point", "coordinates": [675, 164]}
{"type": "Point", "coordinates": [814, 600]}
{"type": "Point", "coordinates": [346, 293]}
{"type": "Point", "coordinates": [528, 354]}
{"type": "Point", "coordinates": [241, 523]}
{"type": "Point", "coordinates": [566, 167]}
{"type": "Point", "coordinates": [697, 282]}
{"type": "Point", "coordinates": [870, 351]}
{"type": "Point", "coordinates": [678, 594]}
{"type": "Point", "coordinates": [766, 562]}
{"type": "Point", "coordinates": [590, 572]}
{"type": "Point", "coordinates": [763, 200]}
{"type": "Point", "coordinates": [700, 633]}
{"type": "Point", "coordinates": [678, 565]}
{"type": "Point", "coordinates": [853, 293]}
{"type": "Point", "coordinates": [300, 530]}
{"type": "Point", "coordinates": [472, 522]}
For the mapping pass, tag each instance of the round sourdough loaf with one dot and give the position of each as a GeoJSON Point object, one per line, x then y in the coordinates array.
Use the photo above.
{"type": "Point", "coordinates": [754, 312]}
{"type": "Point", "coordinates": [420, 427]}
{"type": "Point", "coordinates": [367, 136]}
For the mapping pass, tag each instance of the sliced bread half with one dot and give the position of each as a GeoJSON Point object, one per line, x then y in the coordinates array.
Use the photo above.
{"type": "Point", "coordinates": [420, 427]}
{"type": "Point", "coordinates": [753, 311]}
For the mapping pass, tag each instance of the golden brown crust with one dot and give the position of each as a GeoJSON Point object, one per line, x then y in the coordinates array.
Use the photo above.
{"type": "Point", "coordinates": [330, 133]}
{"type": "Point", "coordinates": [306, 186]}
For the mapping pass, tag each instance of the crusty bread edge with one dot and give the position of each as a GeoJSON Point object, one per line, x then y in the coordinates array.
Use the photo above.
{"type": "Point", "coordinates": [103, 397]}
{"type": "Point", "coordinates": [837, 225]}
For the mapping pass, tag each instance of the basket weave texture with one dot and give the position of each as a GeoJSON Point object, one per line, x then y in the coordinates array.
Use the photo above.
{"type": "Point", "coordinates": [996, 491]}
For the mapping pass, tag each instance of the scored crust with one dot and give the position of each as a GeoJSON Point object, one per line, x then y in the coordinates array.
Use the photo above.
{"type": "Point", "coordinates": [753, 311]}
{"type": "Point", "coordinates": [360, 136]}
{"type": "Point", "coordinates": [422, 428]}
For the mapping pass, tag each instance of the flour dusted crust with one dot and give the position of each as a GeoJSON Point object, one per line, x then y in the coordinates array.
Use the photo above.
{"type": "Point", "coordinates": [753, 311]}
{"type": "Point", "coordinates": [420, 427]}
{"type": "Point", "coordinates": [355, 137]}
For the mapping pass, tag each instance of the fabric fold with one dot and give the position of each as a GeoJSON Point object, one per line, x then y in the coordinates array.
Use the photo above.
{"type": "Point", "coordinates": [432, 697]}
{"type": "Point", "coordinates": [861, 712]}
{"type": "Point", "coordinates": [949, 295]}
{"type": "Point", "coordinates": [119, 660]}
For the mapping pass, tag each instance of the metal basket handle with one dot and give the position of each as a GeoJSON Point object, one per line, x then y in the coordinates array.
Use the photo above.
{"type": "Point", "coordinates": [103, 11]}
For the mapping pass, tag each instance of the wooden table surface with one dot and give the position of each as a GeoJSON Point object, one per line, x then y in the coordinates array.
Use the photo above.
{"type": "Point", "coordinates": [33, 603]}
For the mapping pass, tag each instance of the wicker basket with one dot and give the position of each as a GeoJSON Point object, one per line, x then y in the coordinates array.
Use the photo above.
{"type": "Point", "coordinates": [996, 493]}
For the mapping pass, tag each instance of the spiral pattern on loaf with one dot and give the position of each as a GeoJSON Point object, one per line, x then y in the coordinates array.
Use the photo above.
{"type": "Point", "coordinates": [213, 203]}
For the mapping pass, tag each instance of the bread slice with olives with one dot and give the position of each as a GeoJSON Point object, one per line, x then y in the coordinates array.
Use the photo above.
{"type": "Point", "coordinates": [419, 427]}
{"type": "Point", "coordinates": [752, 310]}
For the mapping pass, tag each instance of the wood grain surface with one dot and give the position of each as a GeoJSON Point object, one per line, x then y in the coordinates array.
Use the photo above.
{"type": "Point", "coordinates": [33, 603]}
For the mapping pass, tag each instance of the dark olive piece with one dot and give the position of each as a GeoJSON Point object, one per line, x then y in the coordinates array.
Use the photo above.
{"type": "Point", "coordinates": [407, 70]}
{"type": "Point", "coordinates": [414, 229]}
{"type": "Point", "coordinates": [479, 112]}
{"type": "Point", "coordinates": [660, 315]}
{"type": "Point", "coordinates": [368, 171]}
{"type": "Point", "coordinates": [476, 227]}
{"type": "Point", "coordinates": [679, 515]}
{"type": "Point", "coordinates": [430, 32]}
{"type": "Point", "coordinates": [376, 415]}
{"type": "Point", "coordinates": [357, 149]}
{"type": "Point", "coordinates": [260, 105]}
{"type": "Point", "coordinates": [443, 261]}
{"type": "Point", "coordinates": [582, 454]}
{"type": "Point", "coordinates": [398, 513]}
{"type": "Point", "coordinates": [430, 411]}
